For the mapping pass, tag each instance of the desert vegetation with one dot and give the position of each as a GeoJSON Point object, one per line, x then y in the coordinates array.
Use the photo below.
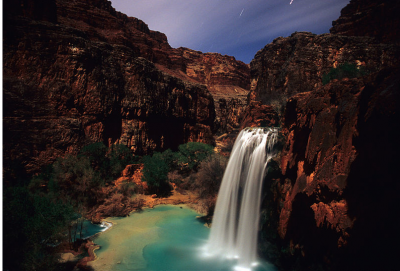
{"type": "Point", "coordinates": [48, 209]}
{"type": "Point", "coordinates": [345, 70]}
{"type": "Point", "coordinates": [195, 167]}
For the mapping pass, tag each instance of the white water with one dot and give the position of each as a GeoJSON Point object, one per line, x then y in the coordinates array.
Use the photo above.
{"type": "Point", "coordinates": [234, 229]}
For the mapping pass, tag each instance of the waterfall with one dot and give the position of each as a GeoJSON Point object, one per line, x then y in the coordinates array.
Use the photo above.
{"type": "Point", "coordinates": [234, 227]}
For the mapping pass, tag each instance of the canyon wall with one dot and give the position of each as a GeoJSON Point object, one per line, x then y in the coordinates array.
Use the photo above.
{"type": "Point", "coordinates": [372, 18]}
{"type": "Point", "coordinates": [78, 72]}
{"type": "Point", "coordinates": [225, 77]}
{"type": "Point", "coordinates": [296, 64]}
{"type": "Point", "coordinates": [331, 194]}
{"type": "Point", "coordinates": [83, 72]}
{"type": "Point", "coordinates": [337, 190]}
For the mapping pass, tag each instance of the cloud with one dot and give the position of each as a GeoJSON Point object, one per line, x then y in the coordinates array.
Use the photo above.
{"type": "Point", "coordinates": [234, 27]}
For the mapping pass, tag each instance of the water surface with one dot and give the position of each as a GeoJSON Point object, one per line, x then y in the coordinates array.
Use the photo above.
{"type": "Point", "coordinates": [165, 238]}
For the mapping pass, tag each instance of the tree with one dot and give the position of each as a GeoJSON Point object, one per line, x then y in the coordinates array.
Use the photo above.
{"type": "Point", "coordinates": [77, 179]}
{"type": "Point", "coordinates": [119, 156]}
{"type": "Point", "coordinates": [32, 223]}
{"type": "Point", "coordinates": [155, 173]}
{"type": "Point", "coordinates": [96, 153]}
{"type": "Point", "coordinates": [209, 176]}
{"type": "Point", "coordinates": [109, 162]}
{"type": "Point", "coordinates": [192, 153]}
{"type": "Point", "coordinates": [345, 70]}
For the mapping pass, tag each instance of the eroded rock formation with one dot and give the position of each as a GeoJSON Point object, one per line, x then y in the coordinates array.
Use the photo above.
{"type": "Point", "coordinates": [296, 64]}
{"type": "Point", "coordinates": [332, 192]}
{"type": "Point", "coordinates": [338, 185]}
{"type": "Point", "coordinates": [259, 115]}
{"type": "Point", "coordinates": [225, 77]}
{"type": "Point", "coordinates": [378, 19]}
{"type": "Point", "coordinates": [89, 73]}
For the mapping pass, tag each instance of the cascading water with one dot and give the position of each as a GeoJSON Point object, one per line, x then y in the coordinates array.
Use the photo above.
{"type": "Point", "coordinates": [234, 227]}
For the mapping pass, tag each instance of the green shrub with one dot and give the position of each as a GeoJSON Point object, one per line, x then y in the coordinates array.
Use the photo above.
{"type": "Point", "coordinates": [31, 224]}
{"type": "Point", "coordinates": [119, 157]}
{"type": "Point", "coordinates": [96, 152]}
{"type": "Point", "coordinates": [39, 214]}
{"type": "Point", "coordinates": [345, 70]}
{"type": "Point", "coordinates": [109, 162]}
{"type": "Point", "coordinates": [210, 175]}
{"type": "Point", "coordinates": [192, 154]}
{"type": "Point", "coordinates": [171, 158]}
{"type": "Point", "coordinates": [155, 174]}
{"type": "Point", "coordinates": [77, 179]}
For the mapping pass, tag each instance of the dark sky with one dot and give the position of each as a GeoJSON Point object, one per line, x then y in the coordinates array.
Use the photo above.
{"type": "Point", "coordinates": [232, 27]}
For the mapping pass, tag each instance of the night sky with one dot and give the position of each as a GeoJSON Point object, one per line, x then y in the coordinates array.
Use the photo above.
{"type": "Point", "coordinates": [232, 27]}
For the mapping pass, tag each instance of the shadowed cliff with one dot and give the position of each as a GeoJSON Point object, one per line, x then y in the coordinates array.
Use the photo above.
{"type": "Point", "coordinates": [331, 198]}
{"type": "Point", "coordinates": [82, 72]}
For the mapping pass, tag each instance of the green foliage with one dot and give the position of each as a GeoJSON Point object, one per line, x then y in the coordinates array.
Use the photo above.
{"type": "Point", "coordinates": [210, 175]}
{"type": "Point", "coordinates": [119, 157]}
{"type": "Point", "coordinates": [208, 181]}
{"type": "Point", "coordinates": [77, 179]}
{"type": "Point", "coordinates": [109, 162]}
{"type": "Point", "coordinates": [96, 153]}
{"type": "Point", "coordinates": [345, 70]}
{"type": "Point", "coordinates": [32, 223]}
{"type": "Point", "coordinates": [80, 177]}
{"type": "Point", "coordinates": [186, 160]}
{"type": "Point", "coordinates": [171, 158]}
{"type": "Point", "coordinates": [155, 173]}
{"type": "Point", "coordinates": [39, 213]}
{"type": "Point", "coordinates": [192, 153]}
{"type": "Point", "coordinates": [39, 183]}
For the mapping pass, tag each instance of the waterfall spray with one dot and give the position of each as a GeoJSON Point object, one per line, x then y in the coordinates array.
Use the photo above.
{"type": "Point", "coordinates": [234, 227]}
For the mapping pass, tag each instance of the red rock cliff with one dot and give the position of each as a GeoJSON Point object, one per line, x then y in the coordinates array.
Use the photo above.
{"type": "Point", "coordinates": [379, 19]}
{"type": "Point", "coordinates": [337, 193]}
{"type": "Point", "coordinates": [296, 64]}
{"type": "Point", "coordinates": [80, 72]}
{"type": "Point", "coordinates": [225, 77]}
{"type": "Point", "coordinates": [91, 77]}
{"type": "Point", "coordinates": [332, 194]}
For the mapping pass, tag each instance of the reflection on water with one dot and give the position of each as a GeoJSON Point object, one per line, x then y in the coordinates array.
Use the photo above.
{"type": "Point", "coordinates": [164, 238]}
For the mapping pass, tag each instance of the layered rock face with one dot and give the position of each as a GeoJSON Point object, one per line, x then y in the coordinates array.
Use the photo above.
{"type": "Point", "coordinates": [296, 64]}
{"type": "Point", "coordinates": [225, 77]}
{"type": "Point", "coordinates": [331, 194]}
{"type": "Point", "coordinates": [338, 184]}
{"type": "Point", "coordinates": [379, 19]}
{"type": "Point", "coordinates": [64, 91]}
{"type": "Point", "coordinates": [259, 115]}
{"type": "Point", "coordinates": [45, 10]}
{"type": "Point", "coordinates": [98, 75]}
